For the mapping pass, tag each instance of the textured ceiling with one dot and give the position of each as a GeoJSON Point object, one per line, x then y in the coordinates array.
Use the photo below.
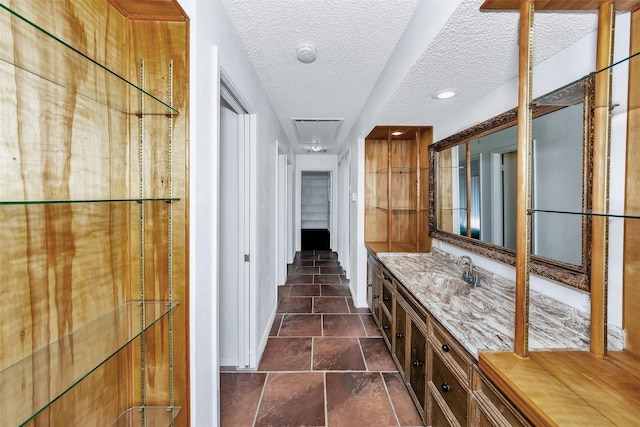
{"type": "Point", "coordinates": [474, 52]}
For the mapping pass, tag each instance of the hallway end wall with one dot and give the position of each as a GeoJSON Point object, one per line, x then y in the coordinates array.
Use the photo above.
{"type": "Point", "coordinates": [316, 163]}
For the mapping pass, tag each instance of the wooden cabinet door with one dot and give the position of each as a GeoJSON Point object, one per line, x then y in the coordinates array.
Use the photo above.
{"type": "Point", "coordinates": [418, 364]}
{"type": "Point", "coordinates": [376, 291]}
{"type": "Point", "coordinates": [400, 337]}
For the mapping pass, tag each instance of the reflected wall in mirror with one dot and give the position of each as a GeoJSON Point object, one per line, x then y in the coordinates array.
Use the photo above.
{"type": "Point", "coordinates": [474, 187]}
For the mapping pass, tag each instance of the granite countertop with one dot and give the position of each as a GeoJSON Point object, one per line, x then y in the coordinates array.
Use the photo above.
{"type": "Point", "coordinates": [482, 318]}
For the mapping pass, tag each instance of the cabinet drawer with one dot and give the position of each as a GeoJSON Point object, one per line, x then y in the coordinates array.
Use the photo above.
{"type": "Point", "coordinates": [438, 418]}
{"type": "Point", "coordinates": [451, 351]}
{"type": "Point", "coordinates": [414, 306]}
{"type": "Point", "coordinates": [495, 408]}
{"type": "Point", "coordinates": [450, 389]}
{"type": "Point", "coordinates": [385, 325]}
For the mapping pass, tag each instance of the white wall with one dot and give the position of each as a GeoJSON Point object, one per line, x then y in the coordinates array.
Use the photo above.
{"type": "Point", "coordinates": [415, 39]}
{"type": "Point", "coordinates": [214, 45]}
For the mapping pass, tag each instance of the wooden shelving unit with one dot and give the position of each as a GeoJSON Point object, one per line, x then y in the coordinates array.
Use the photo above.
{"type": "Point", "coordinates": [94, 207]}
{"type": "Point", "coordinates": [396, 189]}
{"type": "Point", "coordinates": [598, 387]}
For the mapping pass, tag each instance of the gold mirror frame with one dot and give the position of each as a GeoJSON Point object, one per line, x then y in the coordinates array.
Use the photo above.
{"type": "Point", "coordinates": [577, 276]}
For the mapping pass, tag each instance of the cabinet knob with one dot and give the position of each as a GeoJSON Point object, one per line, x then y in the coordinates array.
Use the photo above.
{"type": "Point", "coordinates": [385, 327]}
{"type": "Point", "coordinates": [417, 363]}
{"type": "Point", "coordinates": [386, 298]}
{"type": "Point", "coordinates": [445, 348]}
{"type": "Point", "coordinates": [445, 387]}
{"type": "Point", "coordinates": [370, 285]}
{"type": "Point", "coordinates": [399, 335]}
{"type": "Point", "coordinates": [376, 296]}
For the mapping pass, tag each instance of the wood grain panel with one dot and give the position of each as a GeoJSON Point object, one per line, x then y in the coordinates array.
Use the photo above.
{"type": "Point", "coordinates": [572, 388]}
{"type": "Point", "coordinates": [558, 4]}
{"type": "Point", "coordinates": [66, 264]}
{"type": "Point", "coordinates": [631, 292]}
{"type": "Point", "coordinates": [149, 10]}
{"type": "Point", "coordinates": [146, 36]}
{"type": "Point", "coordinates": [71, 263]}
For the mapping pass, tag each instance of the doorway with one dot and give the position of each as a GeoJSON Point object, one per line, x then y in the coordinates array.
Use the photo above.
{"type": "Point", "coordinates": [315, 211]}
{"type": "Point", "coordinates": [236, 294]}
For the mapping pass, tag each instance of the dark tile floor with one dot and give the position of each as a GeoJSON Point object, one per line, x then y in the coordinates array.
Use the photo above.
{"type": "Point", "coordinates": [325, 363]}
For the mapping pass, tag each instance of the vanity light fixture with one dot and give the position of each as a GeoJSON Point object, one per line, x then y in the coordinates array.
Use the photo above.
{"type": "Point", "coordinates": [444, 94]}
{"type": "Point", "coordinates": [306, 53]}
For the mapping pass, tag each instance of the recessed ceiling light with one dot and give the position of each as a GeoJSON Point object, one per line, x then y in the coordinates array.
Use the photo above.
{"type": "Point", "coordinates": [396, 133]}
{"type": "Point", "coordinates": [444, 94]}
{"type": "Point", "coordinates": [306, 53]}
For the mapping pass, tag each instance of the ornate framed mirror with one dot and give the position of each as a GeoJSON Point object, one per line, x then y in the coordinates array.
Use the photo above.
{"type": "Point", "coordinates": [473, 186]}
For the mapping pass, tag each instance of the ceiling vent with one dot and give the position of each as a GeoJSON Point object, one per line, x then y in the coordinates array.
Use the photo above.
{"type": "Point", "coordinates": [317, 134]}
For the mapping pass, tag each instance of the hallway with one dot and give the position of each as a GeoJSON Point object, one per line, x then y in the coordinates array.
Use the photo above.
{"type": "Point", "coordinates": [325, 363]}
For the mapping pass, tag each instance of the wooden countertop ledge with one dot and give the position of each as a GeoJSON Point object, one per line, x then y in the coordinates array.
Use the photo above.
{"type": "Point", "coordinates": [569, 388]}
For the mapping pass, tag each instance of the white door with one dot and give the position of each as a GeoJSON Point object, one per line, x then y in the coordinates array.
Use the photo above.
{"type": "Point", "coordinates": [235, 286]}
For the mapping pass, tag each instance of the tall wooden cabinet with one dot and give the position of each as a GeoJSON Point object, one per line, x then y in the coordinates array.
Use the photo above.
{"type": "Point", "coordinates": [93, 206]}
{"type": "Point", "coordinates": [548, 386]}
{"type": "Point", "coordinates": [396, 189]}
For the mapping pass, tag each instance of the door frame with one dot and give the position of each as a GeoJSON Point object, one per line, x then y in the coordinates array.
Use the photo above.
{"type": "Point", "coordinates": [247, 291]}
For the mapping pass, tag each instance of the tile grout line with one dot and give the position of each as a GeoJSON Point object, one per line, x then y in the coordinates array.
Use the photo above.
{"type": "Point", "coordinates": [326, 401]}
{"type": "Point", "coordinates": [393, 407]}
{"type": "Point", "coordinates": [366, 365]}
{"type": "Point", "coordinates": [264, 387]}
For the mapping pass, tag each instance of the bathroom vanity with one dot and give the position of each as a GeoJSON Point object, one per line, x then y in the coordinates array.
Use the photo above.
{"type": "Point", "coordinates": [435, 325]}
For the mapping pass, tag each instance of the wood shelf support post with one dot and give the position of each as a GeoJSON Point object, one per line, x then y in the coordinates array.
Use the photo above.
{"type": "Point", "coordinates": [523, 219]}
{"type": "Point", "coordinates": [601, 134]}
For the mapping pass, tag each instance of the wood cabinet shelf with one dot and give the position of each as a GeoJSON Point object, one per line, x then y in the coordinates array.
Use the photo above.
{"type": "Point", "coordinates": [71, 358]}
{"type": "Point", "coordinates": [93, 274]}
{"type": "Point", "coordinates": [68, 202]}
{"type": "Point", "coordinates": [397, 179]}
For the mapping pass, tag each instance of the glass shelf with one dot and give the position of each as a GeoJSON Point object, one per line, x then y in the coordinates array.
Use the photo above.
{"type": "Point", "coordinates": [38, 380]}
{"type": "Point", "coordinates": [611, 214]}
{"type": "Point", "coordinates": [55, 62]}
{"type": "Point", "coordinates": [573, 93]}
{"type": "Point", "coordinates": [63, 202]}
{"type": "Point", "coordinates": [384, 208]}
{"type": "Point", "coordinates": [156, 416]}
{"type": "Point", "coordinates": [453, 209]}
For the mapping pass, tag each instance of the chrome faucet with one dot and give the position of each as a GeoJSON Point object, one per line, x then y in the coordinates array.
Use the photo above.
{"type": "Point", "coordinates": [467, 271]}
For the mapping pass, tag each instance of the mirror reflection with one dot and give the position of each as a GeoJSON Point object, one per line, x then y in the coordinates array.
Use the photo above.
{"type": "Point", "coordinates": [482, 191]}
{"type": "Point", "coordinates": [475, 178]}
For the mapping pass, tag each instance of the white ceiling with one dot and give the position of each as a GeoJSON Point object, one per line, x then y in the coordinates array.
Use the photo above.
{"type": "Point", "coordinates": [473, 52]}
